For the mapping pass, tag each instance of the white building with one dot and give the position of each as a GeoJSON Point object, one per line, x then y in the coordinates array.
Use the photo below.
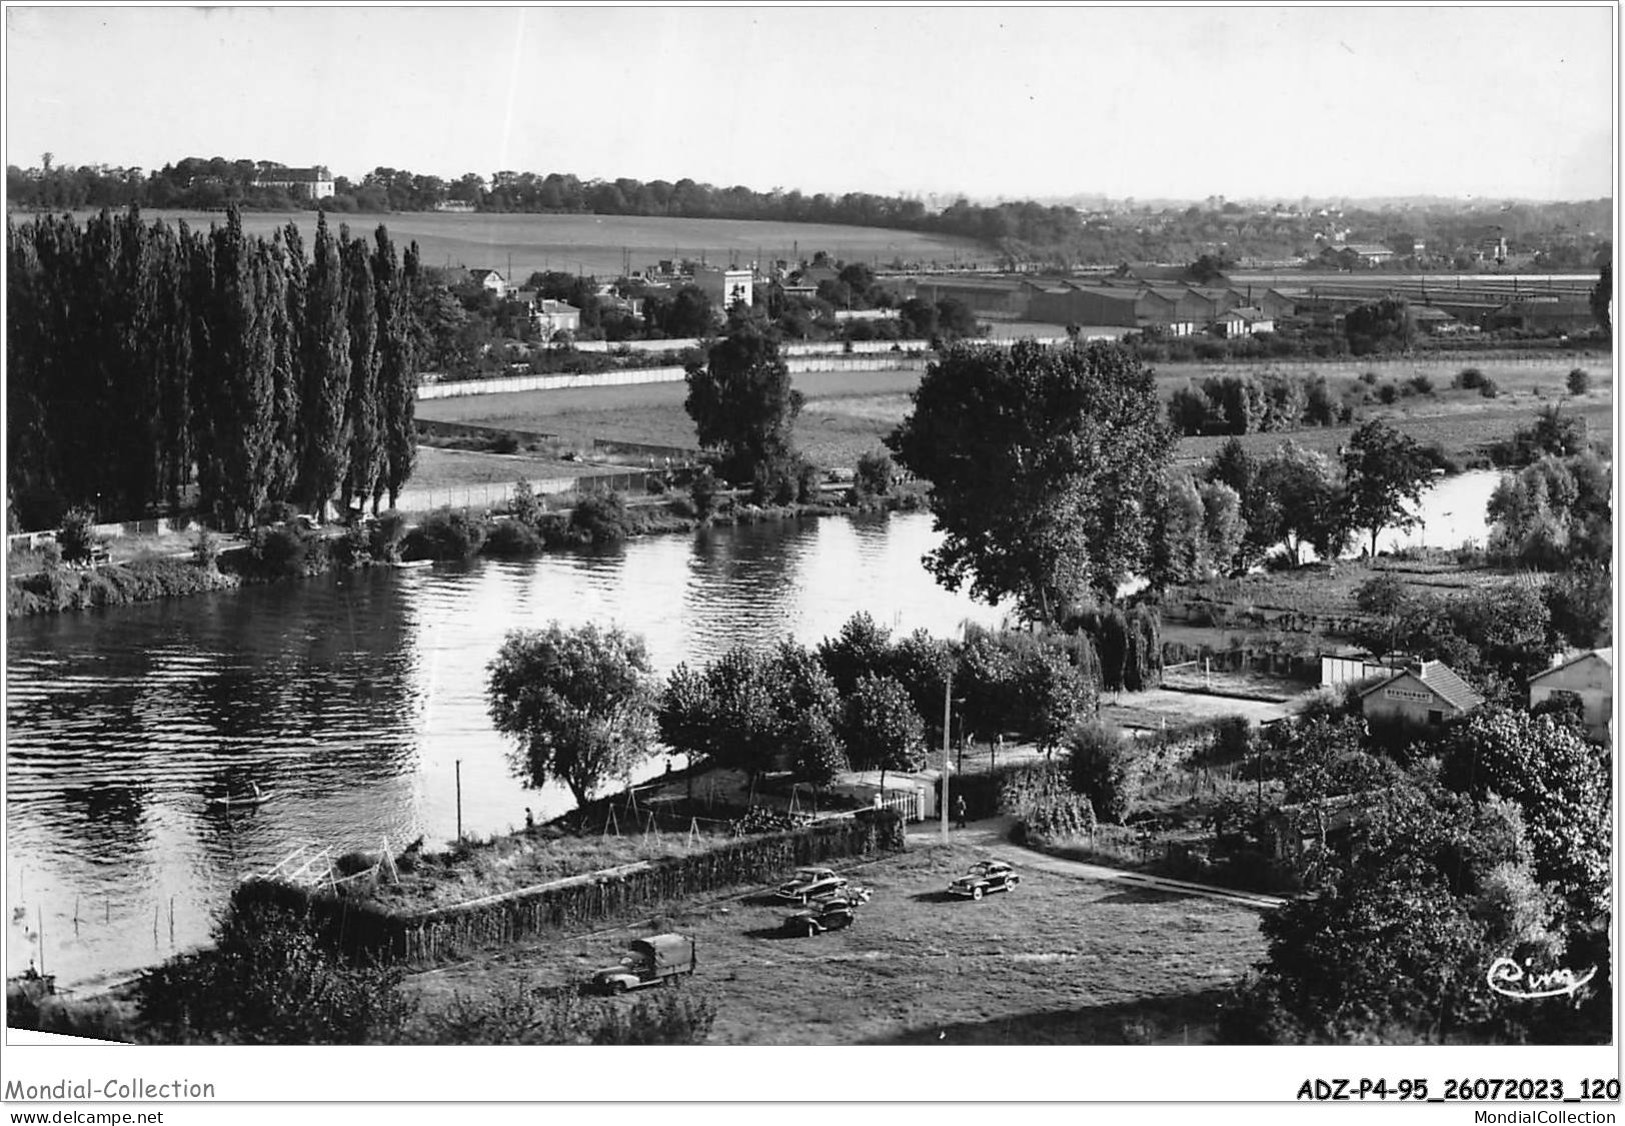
{"type": "Point", "coordinates": [1588, 677]}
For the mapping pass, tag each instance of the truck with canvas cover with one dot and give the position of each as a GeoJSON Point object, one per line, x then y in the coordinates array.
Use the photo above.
{"type": "Point", "coordinates": [648, 961]}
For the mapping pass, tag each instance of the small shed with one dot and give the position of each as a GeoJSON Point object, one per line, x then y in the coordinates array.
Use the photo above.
{"type": "Point", "coordinates": [1429, 692]}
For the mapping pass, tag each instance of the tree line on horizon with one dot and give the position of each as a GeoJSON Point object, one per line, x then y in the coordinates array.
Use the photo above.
{"type": "Point", "coordinates": [145, 360]}
{"type": "Point", "coordinates": [1020, 230]}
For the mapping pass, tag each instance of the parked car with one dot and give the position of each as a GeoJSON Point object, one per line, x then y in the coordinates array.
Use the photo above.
{"type": "Point", "coordinates": [827, 913]}
{"type": "Point", "coordinates": [983, 877]}
{"type": "Point", "coordinates": [647, 961]}
{"type": "Point", "coordinates": [810, 883]}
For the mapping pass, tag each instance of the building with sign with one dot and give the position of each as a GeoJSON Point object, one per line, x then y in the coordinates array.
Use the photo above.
{"type": "Point", "coordinates": [1427, 693]}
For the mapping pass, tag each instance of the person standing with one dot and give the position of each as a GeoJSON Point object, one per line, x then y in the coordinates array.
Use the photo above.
{"type": "Point", "coordinates": [959, 810]}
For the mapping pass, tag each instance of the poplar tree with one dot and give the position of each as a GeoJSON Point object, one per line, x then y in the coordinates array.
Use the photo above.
{"type": "Point", "coordinates": [288, 361]}
{"type": "Point", "coordinates": [325, 350]}
{"type": "Point", "coordinates": [397, 374]}
{"type": "Point", "coordinates": [361, 407]}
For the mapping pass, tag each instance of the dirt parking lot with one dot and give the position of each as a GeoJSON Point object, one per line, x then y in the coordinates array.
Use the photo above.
{"type": "Point", "coordinates": [1060, 959]}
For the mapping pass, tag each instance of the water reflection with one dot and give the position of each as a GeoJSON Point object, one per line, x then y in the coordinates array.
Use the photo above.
{"type": "Point", "coordinates": [357, 704]}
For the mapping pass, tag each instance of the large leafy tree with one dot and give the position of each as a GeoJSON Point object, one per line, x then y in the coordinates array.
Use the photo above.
{"type": "Point", "coordinates": [862, 646]}
{"type": "Point", "coordinates": [742, 402]}
{"type": "Point", "coordinates": [1040, 461]}
{"type": "Point", "coordinates": [1384, 472]}
{"type": "Point", "coordinates": [882, 730]}
{"type": "Point", "coordinates": [578, 703]}
{"type": "Point", "coordinates": [1309, 499]}
{"type": "Point", "coordinates": [1559, 781]}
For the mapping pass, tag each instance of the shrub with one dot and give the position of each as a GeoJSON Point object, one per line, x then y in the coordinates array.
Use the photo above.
{"type": "Point", "coordinates": [277, 553]}
{"type": "Point", "coordinates": [702, 491]}
{"type": "Point", "coordinates": [205, 549]}
{"type": "Point", "coordinates": [1421, 384]}
{"type": "Point", "coordinates": [1104, 768]}
{"type": "Point", "coordinates": [875, 474]}
{"type": "Point", "coordinates": [1467, 379]}
{"type": "Point", "coordinates": [1045, 804]}
{"type": "Point", "coordinates": [354, 547]}
{"type": "Point", "coordinates": [1387, 394]}
{"type": "Point", "coordinates": [268, 980]}
{"type": "Point", "coordinates": [276, 512]}
{"type": "Point", "coordinates": [534, 1016]}
{"type": "Point", "coordinates": [77, 536]}
{"type": "Point", "coordinates": [808, 477]}
{"type": "Point", "coordinates": [446, 534]}
{"type": "Point", "coordinates": [505, 444]}
{"type": "Point", "coordinates": [1579, 382]}
{"type": "Point", "coordinates": [601, 518]}
{"type": "Point", "coordinates": [1369, 378]}
{"type": "Point", "coordinates": [1488, 389]}
{"type": "Point", "coordinates": [512, 538]}
{"type": "Point", "coordinates": [524, 504]}
{"type": "Point", "coordinates": [1188, 410]}
{"type": "Point", "coordinates": [387, 532]}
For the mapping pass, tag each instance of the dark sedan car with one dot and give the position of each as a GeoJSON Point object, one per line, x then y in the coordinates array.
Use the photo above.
{"type": "Point", "coordinates": [828, 913]}
{"type": "Point", "coordinates": [987, 876]}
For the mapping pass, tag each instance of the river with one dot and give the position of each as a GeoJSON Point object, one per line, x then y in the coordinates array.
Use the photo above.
{"type": "Point", "coordinates": [356, 702]}
{"type": "Point", "coordinates": [351, 701]}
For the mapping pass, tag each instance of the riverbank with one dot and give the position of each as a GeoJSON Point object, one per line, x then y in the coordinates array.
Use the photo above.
{"type": "Point", "coordinates": [38, 583]}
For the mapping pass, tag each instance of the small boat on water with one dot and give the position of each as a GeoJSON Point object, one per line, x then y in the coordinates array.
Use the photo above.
{"type": "Point", "coordinates": [412, 564]}
{"type": "Point", "coordinates": [238, 799]}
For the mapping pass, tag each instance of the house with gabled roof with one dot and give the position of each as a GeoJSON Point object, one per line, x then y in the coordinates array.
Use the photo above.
{"type": "Point", "coordinates": [1426, 693]}
{"type": "Point", "coordinates": [1586, 676]}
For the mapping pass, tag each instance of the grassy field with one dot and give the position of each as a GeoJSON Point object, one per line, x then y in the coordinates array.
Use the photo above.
{"type": "Point", "coordinates": [1060, 960]}
{"type": "Point", "coordinates": [848, 413]}
{"type": "Point", "coordinates": [599, 244]}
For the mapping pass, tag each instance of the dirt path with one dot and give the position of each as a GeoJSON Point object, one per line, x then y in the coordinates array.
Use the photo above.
{"type": "Point", "coordinates": [994, 836]}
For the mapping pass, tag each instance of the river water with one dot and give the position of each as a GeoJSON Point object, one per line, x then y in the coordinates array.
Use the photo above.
{"type": "Point", "coordinates": [351, 701]}
{"type": "Point", "coordinates": [356, 702]}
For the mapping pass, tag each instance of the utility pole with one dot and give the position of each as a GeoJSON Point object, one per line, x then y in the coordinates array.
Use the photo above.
{"type": "Point", "coordinates": [947, 712]}
{"type": "Point", "coordinates": [459, 799]}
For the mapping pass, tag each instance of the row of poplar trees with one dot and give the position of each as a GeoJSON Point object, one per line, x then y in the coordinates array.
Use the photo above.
{"type": "Point", "coordinates": [142, 360]}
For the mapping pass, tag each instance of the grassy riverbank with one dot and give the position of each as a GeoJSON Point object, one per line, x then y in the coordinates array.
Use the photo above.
{"type": "Point", "coordinates": [39, 583]}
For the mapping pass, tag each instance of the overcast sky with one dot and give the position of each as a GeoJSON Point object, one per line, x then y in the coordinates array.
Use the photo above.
{"type": "Point", "coordinates": [1129, 101]}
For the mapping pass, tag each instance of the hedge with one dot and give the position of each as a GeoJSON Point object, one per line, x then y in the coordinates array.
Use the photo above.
{"type": "Point", "coordinates": [370, 929]}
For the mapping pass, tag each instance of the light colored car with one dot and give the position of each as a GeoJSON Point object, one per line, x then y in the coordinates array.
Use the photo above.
{"type": "Point", "coordinates": [810, 883]}
{"type": "Point", "coordinates": [984, 877]}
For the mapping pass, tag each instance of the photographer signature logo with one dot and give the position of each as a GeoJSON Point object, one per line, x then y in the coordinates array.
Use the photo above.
{"type": "Point", "coordinates": [1509, 979]}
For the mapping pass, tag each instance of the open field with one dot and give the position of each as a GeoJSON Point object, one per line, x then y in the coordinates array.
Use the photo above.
{"type": "Point", "coordinates": [600, 244]}
{"type": "Point", "coordinates": [1059, 960]}
{"type": "Point", "coordinates": [848, 413]}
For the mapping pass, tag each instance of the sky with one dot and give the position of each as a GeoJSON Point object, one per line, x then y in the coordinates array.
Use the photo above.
{"type": "Point", "coordinates": [1128, 101]}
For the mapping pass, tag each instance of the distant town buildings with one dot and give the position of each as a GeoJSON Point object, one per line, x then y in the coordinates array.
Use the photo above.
{"type": "Point", "coordinates": [725, 287]}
